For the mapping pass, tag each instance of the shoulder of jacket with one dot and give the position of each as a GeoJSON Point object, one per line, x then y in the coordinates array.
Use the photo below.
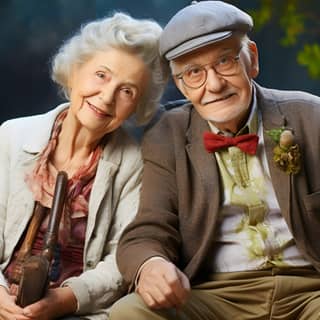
{"type": "Point", "coordinates": [33, 121]}
{"type": "Point", "coordinates": [173, 120]}
{"type": "Point", "coordinates": [31, 130]}
{"type": "Point", "coordinates": [288, 96]}
{"type": "Point", "coordinates": [122, 149]}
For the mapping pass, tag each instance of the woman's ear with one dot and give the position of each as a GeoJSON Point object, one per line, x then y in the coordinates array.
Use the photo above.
{"type": "Point", "coordinates": [254, 60]}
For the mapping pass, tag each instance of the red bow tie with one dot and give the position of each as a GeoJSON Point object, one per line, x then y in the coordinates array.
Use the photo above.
{"type": "Point", "coordinates": [247, 142]}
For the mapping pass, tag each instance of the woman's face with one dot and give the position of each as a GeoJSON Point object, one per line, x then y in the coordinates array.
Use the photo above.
{"type": "Point", "coordinates": [105, 90]}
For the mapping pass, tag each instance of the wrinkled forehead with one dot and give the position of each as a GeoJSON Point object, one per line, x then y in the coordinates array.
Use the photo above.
{"type": "Point", "coordinates": [206, 54]}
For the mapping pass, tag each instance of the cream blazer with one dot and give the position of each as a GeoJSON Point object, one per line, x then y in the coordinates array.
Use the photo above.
{"type": "Point", "coordinates": [113, 204]}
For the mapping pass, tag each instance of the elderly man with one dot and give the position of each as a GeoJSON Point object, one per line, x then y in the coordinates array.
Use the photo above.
{"type": "Point", "coordinates": [229, 220]}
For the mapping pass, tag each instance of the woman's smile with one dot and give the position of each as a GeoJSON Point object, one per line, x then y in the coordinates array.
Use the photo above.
{"type": "Point", "coordinates": [98, 112]}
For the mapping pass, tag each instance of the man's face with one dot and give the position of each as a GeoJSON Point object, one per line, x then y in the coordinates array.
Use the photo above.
{"type": "Point", "coordinates": [223, 100]}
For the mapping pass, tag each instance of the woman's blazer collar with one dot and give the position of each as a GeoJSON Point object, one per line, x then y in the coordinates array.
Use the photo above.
{"type": "Point", "coordinates": [38, 135]}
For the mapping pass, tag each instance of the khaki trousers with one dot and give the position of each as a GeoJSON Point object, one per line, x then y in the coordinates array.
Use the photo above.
{"type": "Point", "coordinates": [277, 294]}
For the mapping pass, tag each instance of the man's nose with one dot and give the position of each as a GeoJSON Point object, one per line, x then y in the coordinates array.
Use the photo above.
{"type": "Point", "coordinates": [215, 82]}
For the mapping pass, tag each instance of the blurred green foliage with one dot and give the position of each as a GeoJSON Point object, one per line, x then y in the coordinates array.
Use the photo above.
{"type": "Point", "coordinates": [299, 24]}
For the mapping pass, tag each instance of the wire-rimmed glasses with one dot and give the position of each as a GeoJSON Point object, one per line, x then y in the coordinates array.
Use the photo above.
{"type": "Point", "coordinates": [195, 76]}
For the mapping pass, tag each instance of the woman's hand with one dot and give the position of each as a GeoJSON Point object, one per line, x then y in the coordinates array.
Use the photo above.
{"type": "Point", "coordinates": [8, 308]}
{"type": "Point", "coordinates": [58, 302]}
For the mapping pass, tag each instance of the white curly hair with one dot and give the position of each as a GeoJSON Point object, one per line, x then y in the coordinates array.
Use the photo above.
{"type": "Point", "coordinates": [140, 36]}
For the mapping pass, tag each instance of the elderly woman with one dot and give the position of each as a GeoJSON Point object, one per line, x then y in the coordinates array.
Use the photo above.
{"type": "Point", "coordinates": [109, 71]}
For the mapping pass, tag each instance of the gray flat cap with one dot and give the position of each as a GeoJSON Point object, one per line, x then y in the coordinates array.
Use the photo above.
{"type": "Point", "coordinates": [200, 24]}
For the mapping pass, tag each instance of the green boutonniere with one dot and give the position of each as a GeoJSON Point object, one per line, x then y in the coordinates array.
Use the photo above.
{"type": "Point", "coordinates": [286, 154]}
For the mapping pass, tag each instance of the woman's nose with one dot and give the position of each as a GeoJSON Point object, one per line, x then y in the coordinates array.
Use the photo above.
{"type": "Point", "coordinates": [108, 96]}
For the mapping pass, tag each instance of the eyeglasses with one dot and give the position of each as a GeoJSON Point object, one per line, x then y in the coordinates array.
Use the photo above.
{"type": "Point", "coordinates": [195, 76]}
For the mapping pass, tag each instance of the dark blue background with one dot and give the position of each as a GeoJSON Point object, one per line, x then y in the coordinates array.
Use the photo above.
{"type": "Point", "coordinates": [31, 32]}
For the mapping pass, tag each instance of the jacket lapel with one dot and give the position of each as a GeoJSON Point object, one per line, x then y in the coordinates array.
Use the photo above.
{"type": "Point", "coordinates": [23, 198]}
{"type": "Point", "coordinates": [272, 118]}
{"type": "Point", "coordinates": [108, 166]}
{"type": "Point", "coordinates": [203, 162]}
{"type": "Point", "coordinates": [208, 190]}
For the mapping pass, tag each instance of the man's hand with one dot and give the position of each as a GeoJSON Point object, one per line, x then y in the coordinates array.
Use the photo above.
{"type": "Point", "coordinates": [162, 285]}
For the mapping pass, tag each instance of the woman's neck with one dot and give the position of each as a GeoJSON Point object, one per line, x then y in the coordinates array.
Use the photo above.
{"type": "Point", "coordinates": [74, 147]}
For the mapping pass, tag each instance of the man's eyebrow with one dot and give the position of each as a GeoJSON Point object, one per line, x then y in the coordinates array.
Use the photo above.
{"type": "Point", "coordinates": [223, 51]}
{"type": "Point", "coordinates": [226, 50]}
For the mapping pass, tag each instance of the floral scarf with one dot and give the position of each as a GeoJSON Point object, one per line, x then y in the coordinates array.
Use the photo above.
{"type": "Point", "coordinates": [41, 181]}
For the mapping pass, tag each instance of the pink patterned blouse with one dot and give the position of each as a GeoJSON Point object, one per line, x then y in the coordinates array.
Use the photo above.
{"type": "Point", "coordinates": [68, 256]}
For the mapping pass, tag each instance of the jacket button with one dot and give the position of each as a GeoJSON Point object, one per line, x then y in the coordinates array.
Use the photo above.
{"type": "Point", "coordinates": [90, 264]}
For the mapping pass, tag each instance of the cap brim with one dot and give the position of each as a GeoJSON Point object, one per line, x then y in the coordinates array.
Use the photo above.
{"type": "Point", "coordinates": [196, 43]}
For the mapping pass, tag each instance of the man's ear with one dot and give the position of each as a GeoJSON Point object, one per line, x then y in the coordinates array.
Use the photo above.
{"type": "Point", "coordinates": [254, 60]}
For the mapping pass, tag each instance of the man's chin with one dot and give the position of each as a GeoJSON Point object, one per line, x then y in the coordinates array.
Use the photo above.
{"type": "Point", "coordinates": [219, 120]}
{"type": "Point", "coordinates": [230, 116]}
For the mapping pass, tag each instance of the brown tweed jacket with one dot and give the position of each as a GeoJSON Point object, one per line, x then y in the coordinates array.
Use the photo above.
{"type": "Point", "coordinates": [181, 191]}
